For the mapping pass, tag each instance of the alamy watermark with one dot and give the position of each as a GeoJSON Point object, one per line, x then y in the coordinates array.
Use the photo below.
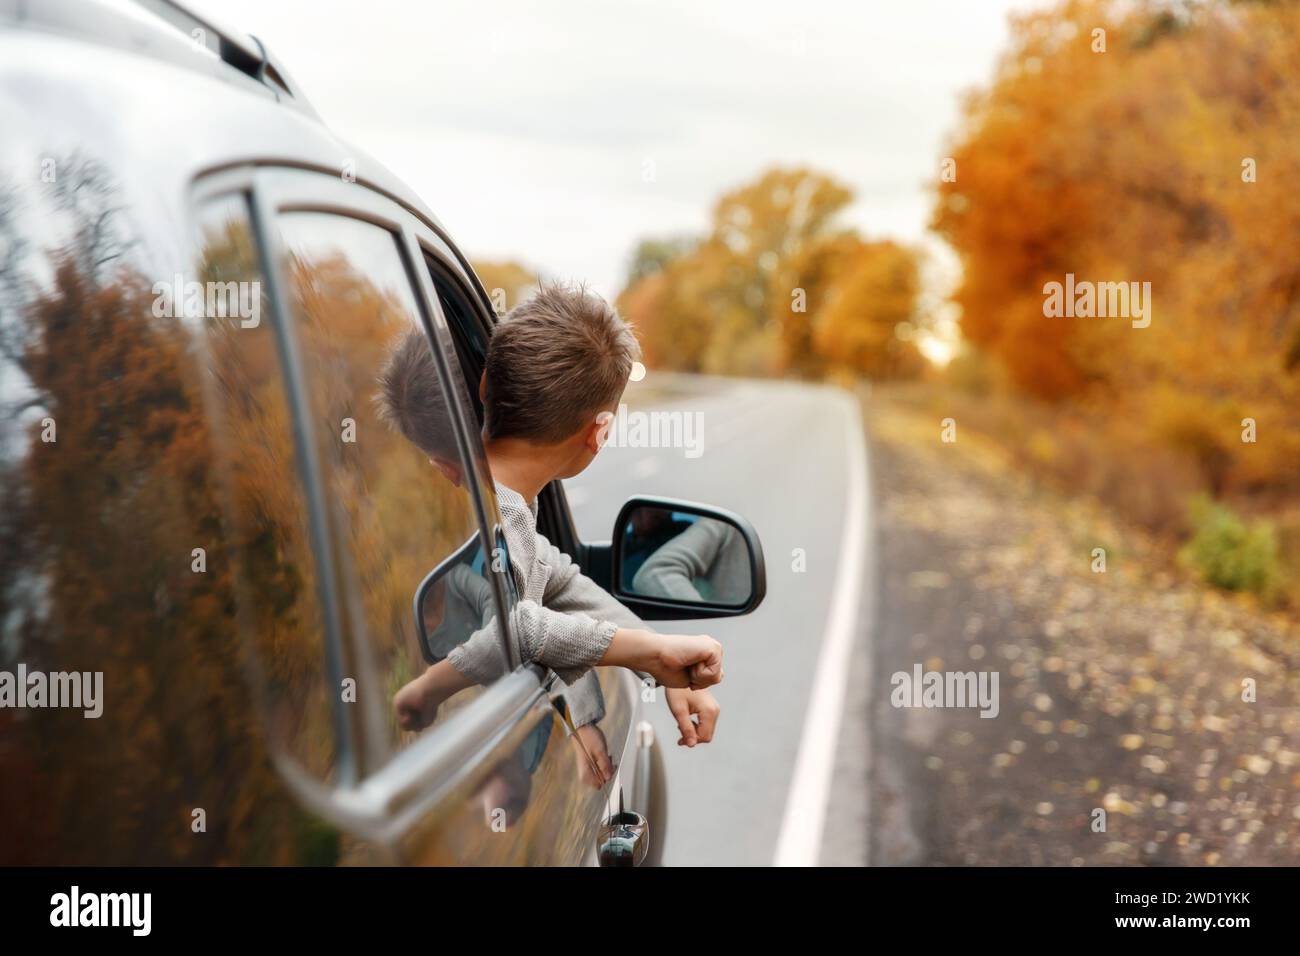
{"type": "Point", "coordinates": [77, 690]}
{"type": "Point", "coordinates": [658, 429]}
{"type": "Point", "coordinates": [130, 910]}
{"type": "Point", "coordinates": [938, 689]}
{"type": "Point", "coordinates": [1086, 300]}
{"type": "Point", "coordinates": [209, 300]}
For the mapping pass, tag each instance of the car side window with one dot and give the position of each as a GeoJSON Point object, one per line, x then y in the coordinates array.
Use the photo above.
{"type": "Point", "coordinates": [280, 599]}
{"type": "Point", "coordinates": [395, 476]}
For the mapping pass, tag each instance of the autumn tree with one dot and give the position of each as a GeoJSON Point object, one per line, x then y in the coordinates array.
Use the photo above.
{"type": "Point", "coordinates": [768, 290]}
{"type": "Point", "coordinates": [507, 283]}
{"type": "Point", "coordinates": [1147, 142]}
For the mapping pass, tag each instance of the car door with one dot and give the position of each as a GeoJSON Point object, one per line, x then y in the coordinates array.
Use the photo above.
{"type": "Point", "coordinates": [497, 778]}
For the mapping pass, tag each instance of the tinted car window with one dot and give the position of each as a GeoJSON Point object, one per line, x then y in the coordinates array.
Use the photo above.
{"type": "Point", "coordinates": [468, 336]}
{"type": "Point", "coordinates": [400, 497]}
{"type": "Point", "coordinates": [276, 574]}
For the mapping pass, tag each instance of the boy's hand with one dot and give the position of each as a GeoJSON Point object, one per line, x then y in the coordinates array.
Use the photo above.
{"type": "Point", "coordinates": [673, 660]}
{"type": "Point", "coordinates": [693, 661]}
{"type": "Point", "coordinates": [683, 704]}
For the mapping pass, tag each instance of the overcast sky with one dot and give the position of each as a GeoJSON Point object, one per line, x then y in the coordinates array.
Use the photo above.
{"type": "Point", "coordinates": [560, 133]}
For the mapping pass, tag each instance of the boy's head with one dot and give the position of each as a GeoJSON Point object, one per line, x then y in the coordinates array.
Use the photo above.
{"type": "Point", "coordinates": [555, 365]}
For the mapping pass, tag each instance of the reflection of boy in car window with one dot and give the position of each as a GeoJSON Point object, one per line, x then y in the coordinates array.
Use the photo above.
{"type": "Point", "coordinates": [556, 369]}
{"type": "Point", "coordinates": [509, 786]}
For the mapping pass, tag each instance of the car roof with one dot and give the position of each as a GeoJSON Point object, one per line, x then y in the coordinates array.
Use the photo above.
{"type": "Point", "coordinates": [210, 100]}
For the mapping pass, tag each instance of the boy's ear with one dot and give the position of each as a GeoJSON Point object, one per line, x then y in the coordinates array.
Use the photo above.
{"type": "Point", "coordinates": [482, 386]}
{"type": "Point", "coordinates": [598, 431]}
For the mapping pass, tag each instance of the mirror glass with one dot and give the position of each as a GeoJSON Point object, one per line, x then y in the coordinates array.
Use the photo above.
{"type": "Point", "coordinates": [454, 601]}
{"type": "Point", "coordinates": [681, 556]}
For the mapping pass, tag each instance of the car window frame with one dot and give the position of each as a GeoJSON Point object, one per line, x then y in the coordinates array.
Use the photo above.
{"type": "Point", "coordinates": [376, 797]}
{"type": "Point", "coordinates": [333, 195]}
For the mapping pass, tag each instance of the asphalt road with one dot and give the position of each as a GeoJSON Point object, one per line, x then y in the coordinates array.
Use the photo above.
{"type": "Point", "coordinates": [784, 456]}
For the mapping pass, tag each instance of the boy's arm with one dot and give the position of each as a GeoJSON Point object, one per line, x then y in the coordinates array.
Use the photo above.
{"type": "Point", "coordinates": [569, 644]}
{"type": "Point", "coordinates": [569, 588]}
{"type": "Point", "coordinates": [572, 643]}
{"type": "Point", "coordinates": [480, 659]}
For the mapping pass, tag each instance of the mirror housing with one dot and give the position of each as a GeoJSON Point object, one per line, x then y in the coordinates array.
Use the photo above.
{"type": "Point", "coordinates": [674, 583]}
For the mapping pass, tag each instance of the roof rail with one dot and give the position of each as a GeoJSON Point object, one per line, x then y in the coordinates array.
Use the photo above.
{"type": "Point", "coordinates": [240, 50]}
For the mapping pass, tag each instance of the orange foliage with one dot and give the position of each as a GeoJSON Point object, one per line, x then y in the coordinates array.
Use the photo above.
{"type": "Point", "coordinates": [1133, 165]}
{"type": "Point", "coordinates": [775, 288]}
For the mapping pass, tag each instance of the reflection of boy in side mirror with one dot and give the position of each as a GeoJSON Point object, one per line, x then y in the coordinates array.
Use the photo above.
{"type": "Point", "coordinates": [707, 562]}
{"type": "Point", "coordinates": [556, 370]}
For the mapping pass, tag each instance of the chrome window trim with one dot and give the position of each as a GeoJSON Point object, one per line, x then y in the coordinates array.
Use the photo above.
{"type": "Point", "coordinates": [437, 329]}
{"type": "Point", "coordinates": [396, 797]}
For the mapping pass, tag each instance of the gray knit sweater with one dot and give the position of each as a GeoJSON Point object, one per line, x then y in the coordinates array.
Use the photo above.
{"type": "Point", "coordinates": [563, 619]}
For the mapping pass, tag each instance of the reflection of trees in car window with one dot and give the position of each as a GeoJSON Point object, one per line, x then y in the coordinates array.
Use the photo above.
{"type": "Point", "coordinates": [396, 514]}
{"type": "Point", "coordinates": [279, 576]}
{"type": "Point", "coordinates": [100, 519]}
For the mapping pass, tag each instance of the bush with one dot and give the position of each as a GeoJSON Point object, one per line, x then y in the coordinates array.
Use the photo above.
{"type": "Point", "coordinates": [1230, 554]}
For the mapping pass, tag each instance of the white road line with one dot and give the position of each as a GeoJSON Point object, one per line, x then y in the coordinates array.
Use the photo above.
{"type": "Point", "coordinates": [800, 840]}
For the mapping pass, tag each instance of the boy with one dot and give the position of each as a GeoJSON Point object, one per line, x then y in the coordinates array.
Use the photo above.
{"type": "Point", "coordinates": [556, 369]}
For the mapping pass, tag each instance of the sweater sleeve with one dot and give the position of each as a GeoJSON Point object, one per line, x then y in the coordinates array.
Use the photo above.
{"type": "Point", "coordinates": [481, 659]}
{"type": "Point", "coordinates": [568, 589]}
{"type": "Point", "coordinates": [571, 628]}
{"type": "Point", "coordinates": [569, 644]}
{"type": "Point", "coordinates": [571, 591]}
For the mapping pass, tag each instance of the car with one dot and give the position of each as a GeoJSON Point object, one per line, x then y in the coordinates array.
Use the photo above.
{"type": "Point", "coordinates": [218, 563]}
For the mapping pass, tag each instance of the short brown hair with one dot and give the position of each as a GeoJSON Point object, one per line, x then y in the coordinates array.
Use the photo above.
{"type": "Point", "coordinates": [554, 363]}
{"type": "Point", "coordinates": [410, 397]}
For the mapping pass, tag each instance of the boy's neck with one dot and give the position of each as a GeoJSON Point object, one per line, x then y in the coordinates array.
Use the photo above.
{"type": "Point", "coordinates": [521, 466]}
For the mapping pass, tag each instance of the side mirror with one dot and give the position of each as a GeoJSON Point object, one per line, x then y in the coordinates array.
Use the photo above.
{"type": "Point", "coordinates": [453, 601]}
{"type": "Point", "coordinates": [676, 559]}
